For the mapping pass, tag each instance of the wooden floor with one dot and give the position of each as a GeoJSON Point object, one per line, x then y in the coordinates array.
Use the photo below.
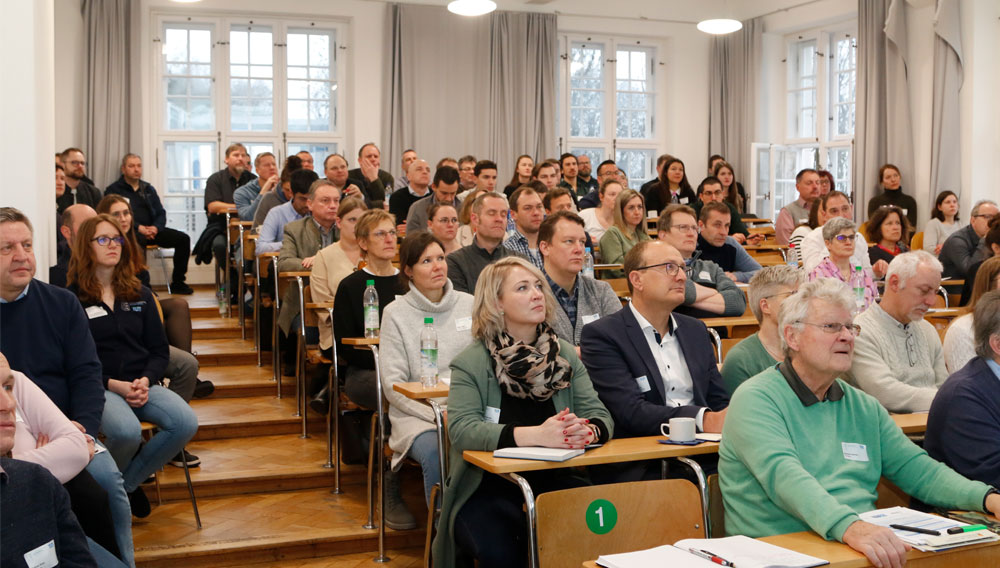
{"type": "Point", "coordinates": [264, 494]}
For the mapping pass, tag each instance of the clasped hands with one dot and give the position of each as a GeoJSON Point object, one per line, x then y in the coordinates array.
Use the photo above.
{"type": "Point", "coordinates": [135, 393]}
{"type": "Point", "coordinates": [562, 430]}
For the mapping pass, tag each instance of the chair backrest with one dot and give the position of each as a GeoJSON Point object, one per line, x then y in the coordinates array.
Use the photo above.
{"type": "Point", "coordinates": [917, 242]}
{"type": "Point", "coordinates": [575, 525]}
{"type": "Point", "coordinates": [716, 511]}
{"type": "Point", "coordinates": [728, 344]}
{"type": "Point", "coordinates": [864, 232]}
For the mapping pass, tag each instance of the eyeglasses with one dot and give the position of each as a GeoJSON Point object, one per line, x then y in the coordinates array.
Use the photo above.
{"type": "Point", "coordinates": [670, 268]}
{"type": "Point", "coordinates": [686, 228]}
{"type": "Point", "coordinates": [911, 347]}
{"type": "Point", "coordinates": [105, 241]}
{"type": "Point", "coordinates": [842, 238]}
{"type": "Point", "coordinates": [835, 327]}
{"type": "Point", "coordinates": [447, 220]}
{"type": "Point", "coordinates": [987, 217]}
{"type": "Point", "coordinates": [77, 163]}
{"type": "Point", "coordinates": [384, 234]}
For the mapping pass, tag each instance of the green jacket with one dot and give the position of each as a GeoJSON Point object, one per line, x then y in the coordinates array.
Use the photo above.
{"type": "Point", "coordinates": [474, 387]}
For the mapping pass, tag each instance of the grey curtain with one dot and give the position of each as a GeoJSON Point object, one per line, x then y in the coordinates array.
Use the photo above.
{"type": "Point", "coordinates": [483, 86]}
{"type": "Point", "coordinates": [946, 148]}
{"type": "Point", "coordinates": [883, 131]}
{"type": "Point", "coordinates": [107, 129]}
{"type": "Point", "coordinates": [733, 85]}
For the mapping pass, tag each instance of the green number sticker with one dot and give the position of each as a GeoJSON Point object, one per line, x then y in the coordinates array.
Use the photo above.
{"type": "Point", "coordinates": [601, 516]}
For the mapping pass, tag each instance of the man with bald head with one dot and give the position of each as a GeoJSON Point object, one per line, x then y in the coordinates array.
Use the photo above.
{"type": "Point", "coordinates": [419, 178]}
{"type": "Point", "coordinates": [70, 221]}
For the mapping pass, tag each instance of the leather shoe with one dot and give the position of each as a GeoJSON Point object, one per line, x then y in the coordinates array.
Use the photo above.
{"type": "Point", "coordinates": [139, 503]}
{"type": "Point", "coordinates": [321, 402]}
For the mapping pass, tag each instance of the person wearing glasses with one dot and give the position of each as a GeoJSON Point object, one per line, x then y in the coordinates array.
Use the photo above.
{"type": "Point", "coordinates": [133, 350]}
{"type": "Point", "coordinates": [444, 188]}
{"type": "Point", "coordinates": [650, 364]}
{"type": "Point", "coordinates": [442, 222]}
{"type": "Point", "coordinates": [965, 246]}
{"type": "Point", "coordinates": [898, 357]}
{"type": "Point", "coordinates": [710, 191]}
{"type": "Point", "coordinates": [708, 292]}
{"type": "Point", "coordinates": [802, 450]}
{"type": "Point", "coordinates": [840, 234]}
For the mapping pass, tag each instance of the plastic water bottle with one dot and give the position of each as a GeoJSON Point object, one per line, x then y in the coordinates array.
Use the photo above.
{"type": "Point", "coordinates": [429, 354]}
{"type": "Point", "coordinates": [223, 299]}
{"type": "Point", "coordinates": [792, 256]}
{"type": "Point", "coordinates": [858, 284]}
{"type": "Point", "coordinates": [370, 303]}
{"type": "Point", "coordinates": [588, 263]}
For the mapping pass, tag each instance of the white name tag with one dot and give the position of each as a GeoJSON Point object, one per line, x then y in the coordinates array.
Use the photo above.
{"type": "Point", "coordinates": [704, 275]}
{"type": "Point", "coordinates": [906, 211]}
{"type": "Point", "coordinates": [492, 415]}
{"type": "Point", "coordinates": [463, 324]}
{"type": "Point", "coordinates": [652, 214]}
{"type": "Point", "coordinates": [96, 312]}
{"type": "Point", "coordinates": [684, 200]}
{"type": "Point", "coordinates": [855, 452]}
{"type": "Point", "coordinates": [42, 557]}
{"type": "Point", "coordinates": [643, 383]}
{"type": "Point", "coordinates": [590, 318]}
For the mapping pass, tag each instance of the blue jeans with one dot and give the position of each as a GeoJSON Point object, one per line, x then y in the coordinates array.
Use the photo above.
{"type": "Point", "coordinates": [173, 417]}
{"type": "Point", "coordinates": [103, 558]}
{"type": "Point", "coordinates": [107, 474]}
{"type": "Point", "coordinates": [425, 451]}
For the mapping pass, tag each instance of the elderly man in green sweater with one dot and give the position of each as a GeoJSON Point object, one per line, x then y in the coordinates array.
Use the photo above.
{"type": "Point", "coordinates": [803, 450]}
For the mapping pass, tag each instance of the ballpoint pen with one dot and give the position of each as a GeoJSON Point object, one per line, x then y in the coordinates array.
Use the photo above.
{"type": "Point", "coordinates": [710, 556]}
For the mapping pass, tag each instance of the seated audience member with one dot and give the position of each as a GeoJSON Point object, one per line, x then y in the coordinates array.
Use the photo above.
{"type": "Point", "coordinates": [890, 231]}
{"type": "Point", "coordinates": [839, 235]}
{"type": "Point", "coordinates": [79, 188]}
{"type": "Point", "coordinates": [489, 221]}
{"type": "Point", "coordinates": [710, 191]}
{"type": "Point", "coordinates": [708, 291]}
{"type": "Point", "coordinates": [247, 197]}
{"type": "Point", "coordinates": [36, 509]}
{"type": "Point", "coordinates": [672, 188]}
{"type": "Point", "coordinates": [559, 199]}
{"type": "Point", "coordinates": [944, 221]}
{"type": "Point", "coordinates": [547, 173]}
{"type": "Point", "coordinates": [797, 212]}
{"type": "Point", "coordinates": [584, 181]}
{"type": "Point", "coordinates": [70, 220]}
{"type": "Point", "coordinates": [150, 219]}
{"type": "Point", "coordinates": [373, 183]}
{"type": "Point", "coordinates": [542, 396]}
{"type": "Point", "coordinates": [607, 170]}
{"type": "Point", "coordinates": [803, 450]}
{"type": "Point", "coordinates": [442, 222]}
{"type": "Point", "coordinates": [762, 350]}
{"type": "Point", "coordinates": [570, 170]}
{"type": "Point", "coordinates": [409, 156]}
{"type": "Point", "coordinates": [598, 219]}
{"type": "Point", "coordinates": [991, 248]}
{"type": "Point", "coordinates": [376, 234]}
{"type": "Point", "coordinates": [963, 427]}
{"type": "Point", "coordinates": [715, 244]}
{"type": "Point", "coordinates": [628, 230]}
{"type": "Point", "coordinates": [279, 194]}
{"type": "Point", "coordinates": [959, 345]}
{"type": "Point", "coordinates": [562, 241]}
{"type": "Point", "coordinates": [133, 351]}
{"type": "Point", "coordinates": [813, 249]}
{"type": "Point", "coordinates": [522, 174]}
{"type": "Point", "coordinates": [45, 336]}
{"type": "Point", "coordinates": [430, 296]}
{"type": "Point", "coordinates": [732, 190]}
{"type": "Point", "coordinates": [964, 247]}
{"type": "Point", "coordinates": [307, 160]}
{"type": "Point", "coordinates": [418, 184]}
{"type": "Point", "coordinates": [335, 170]}
{"type": "Point", "coordinates": [272, 230]}
{"type": "Point", "coordinates": [527, 212]}
{"type": "Point", "coordinates": [892, 194]}
{"type": "Point", "coordinates": [220, 189]}
{"type": "Point", "coordinates": [802, 230]}
{"type": "Point", "coordinates": [466, 232]}
{"type": "Point", "coordinates": [898, 357]}
{"type": "Point", "coordinates": [826, 182]}
{"type": "Point", "coordinates": [444, 188]}
{"type": "Point", "coordinates": [467, 174]}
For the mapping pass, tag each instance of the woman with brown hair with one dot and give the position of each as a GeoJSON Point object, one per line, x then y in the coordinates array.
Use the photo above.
{"type": "Point", "coordinates": [629, 228]}
{"type": "Point", "coordinates": [889, 229]}
{"type": "Point", "coordinates": [522, 174]}
{"type": "Point", "coordinates": [673, 187]}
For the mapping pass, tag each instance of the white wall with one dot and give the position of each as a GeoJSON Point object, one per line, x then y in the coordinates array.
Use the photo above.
{"type": "Point", "coordinates": [70, 73]}
{"type": "Point", "coordinates": [980, 115]}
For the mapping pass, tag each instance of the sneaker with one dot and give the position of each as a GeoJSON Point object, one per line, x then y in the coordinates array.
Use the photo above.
{"type": "Point", "coordinates": [181, 288]}
{"type": "Point", "coordinates": [203, 389]}
{"type": "Point", "coordinates": [185, 456]}
{"type": "Point", "coordinates": [139, 503]}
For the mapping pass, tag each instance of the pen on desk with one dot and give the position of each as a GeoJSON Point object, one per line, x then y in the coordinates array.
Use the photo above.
{"type": "Point", "coordinates": [966, 528]}
{"type": "Point", "coordinates": [710, 556]}
{"type": "Point", "coordinates": [915, 529]}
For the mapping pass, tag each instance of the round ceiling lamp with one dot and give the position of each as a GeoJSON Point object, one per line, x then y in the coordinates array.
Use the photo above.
{"type": "Point", "coordinates": [720, 26]}
{"type": "Point", "coordinates": [471, 7]}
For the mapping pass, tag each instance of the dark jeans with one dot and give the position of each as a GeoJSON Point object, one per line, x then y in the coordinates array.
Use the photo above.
{"type": "Point", "coordinates": [90, 504]}
{"type": "Point", "coordinates": [180, 242]}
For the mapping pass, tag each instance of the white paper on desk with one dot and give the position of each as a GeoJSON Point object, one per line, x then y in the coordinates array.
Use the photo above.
{"type": "Point", "coordinates": [746, 552]}
{"type": "Point", "coordinates": [658, 557]}
{"type": "Point", "coordinates": [911, 518]}
{"type": "Point", "coordinates": [537, 453]}
{"type": "Point", "coordinates": [709, 437]}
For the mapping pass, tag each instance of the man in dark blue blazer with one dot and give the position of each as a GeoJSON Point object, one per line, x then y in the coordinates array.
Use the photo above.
{"type": "Point", "coordinates": [648, 364]}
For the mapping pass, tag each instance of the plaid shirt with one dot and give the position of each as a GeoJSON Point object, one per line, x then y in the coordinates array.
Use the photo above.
{"type": "Point", "coordinates": [519, 243]}
{"type": "Point", "coordinates": [566, 300]}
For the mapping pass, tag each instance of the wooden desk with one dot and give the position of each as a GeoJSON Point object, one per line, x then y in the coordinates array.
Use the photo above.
{"type": "Point", "coordinates": [360, 342]}
{"type": "Point", "coordinates": [757, 221]}
{"type": "Point", "coordinates": [736, 326]}
{"type": "Point", "coordinates": [911, 423]}
{"type": "Point", "coordinates": [416, 391]}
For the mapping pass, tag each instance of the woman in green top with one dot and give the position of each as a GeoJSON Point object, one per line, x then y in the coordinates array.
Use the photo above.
{"type": "Point", "coordinates": [627, 231]}
{"type": "Point", "coordinates": [768, 289]}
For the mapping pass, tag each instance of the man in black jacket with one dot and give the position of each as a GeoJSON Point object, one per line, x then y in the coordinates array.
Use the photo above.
{"type": "Point", "coordinates": [375, 183]}
{"type": "Point", "coordinates": [964, 247]}
{"type": "Point", "coordinates": [78, 186]}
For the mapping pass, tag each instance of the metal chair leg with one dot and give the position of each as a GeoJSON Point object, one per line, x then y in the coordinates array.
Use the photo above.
{"type": "Point", "coordinates": [194, 501]}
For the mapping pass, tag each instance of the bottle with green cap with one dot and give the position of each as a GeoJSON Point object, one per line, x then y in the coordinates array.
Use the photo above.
{"type": "Point", "coordinates": [370, 304]}
{"type": "Point", "coordinates": [858, 285]}
{"type": "Point", "coordinates": [429, 354]}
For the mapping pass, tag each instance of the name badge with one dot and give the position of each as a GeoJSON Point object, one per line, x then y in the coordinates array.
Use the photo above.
{"type": "Point", "coordinates": [684, 201]}
{"type": "Point", "coordinates": [855, 452]}
{"type": "Point", "coordinates": [42, 557]}
{"type": "Point", "coordinates": [492, 415]}
{"type": "Point", "coordinates": [704, 275]}
{"type": "Point", "coordinates": [95, 312]}
{"type": "Point", "coordinates": [463, 324]}
{"type": "Point", "coordinates": [652, 214]}
{"type": "Point", "coordinates": [590, 318]}
{"type": "Point", "coordinates": [643, 383]}
{"type": "Point", "coordinates": [906, 211]}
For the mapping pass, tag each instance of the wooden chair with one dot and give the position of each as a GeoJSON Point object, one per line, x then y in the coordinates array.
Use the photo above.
{"type": "Point", "coordinates": [716, 510]}
{"type": "Point", "coordinates": [728, 344]}
{"type": "Point", "coordinates": [147, 433]}
{"type": "Point", "coordinates": [917, 242]}
{"type": "Point", "coordinates": [642, 514]}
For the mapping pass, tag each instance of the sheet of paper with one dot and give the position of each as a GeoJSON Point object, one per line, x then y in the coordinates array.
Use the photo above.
{"type": "Point", "coordinates": [911, 518]}
{"type": "Point", "coordinates": [746, 552]}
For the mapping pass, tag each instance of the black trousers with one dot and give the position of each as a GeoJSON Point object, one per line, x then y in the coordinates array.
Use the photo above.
{"type": "Point", "coordinates": [89, 502]}
{"type": "Point", "coordinates": [180, 242]}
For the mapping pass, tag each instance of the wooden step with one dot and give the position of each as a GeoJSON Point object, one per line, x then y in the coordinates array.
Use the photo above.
{"type": "Point", "coordinates": [402, 558]}
{"type": "Point", "coordinates": [235, 381]}
{"type": "Point", "coordinates": [218, 328]}
{"type": "Point", "coordinates": [234, 351]}
{"type": "Point", "coordinates": [220, 418]}
{"type": "Point", "coordinates": [241, 529]}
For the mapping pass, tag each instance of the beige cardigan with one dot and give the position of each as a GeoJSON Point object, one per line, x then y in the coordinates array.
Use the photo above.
{"type": "Point", "coordinates": [330, 266]}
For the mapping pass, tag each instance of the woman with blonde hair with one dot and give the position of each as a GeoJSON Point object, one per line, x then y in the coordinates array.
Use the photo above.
{"type": "Point", "coordinates": [628, 229]}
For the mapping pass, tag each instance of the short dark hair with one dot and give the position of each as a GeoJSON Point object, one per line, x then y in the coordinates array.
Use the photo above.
{"type": "Point", "coordinates": [361, 150]}
{"type": "Point", "coordinates": [301, 179]}
{"type": "Point", "coordinates": [233, 147]}
{"type": "Point", "coordinates": [554, 193]}
{"type": "Point", "coordinates": [664, 222]}
{"type": "Point", "coordinates": [65, 153]}
{"type": "Point", "coordinates": [547, 230]}
{"type": "Point", "coordinates": [412, 249]}
{"type": "Point", "coordinates": [484, 165]}
{"type": "Point", "coordinates": [936, 213]}
{"type": "Point", "coordinates": [293, 164]}
{"type": "Point", "coordinates": [540, 166]}
{"type": "Point", "coordinates": [466, 159]}
{"type": "Point", "coordinates": [564, 157]}
{"type": "Point", "coordinates": [662, 159]}
{"type": "Point", "coordinates": [986, 323]}
{"type": "Point", "coordinates": [127, 156]}
{"type": "Point", "coordinates": [716, 206]}
{"type": "Point", "coordinates": [606, 163]}
{"type": "Point", "coordinates": [715, 157]}
{"type": "Point", "coordinates": [874, 228]}
{"type": "Point", "coordinates": [514, 197]}
{"type": "Point", "coordinates": [710, 180]}
{"type": "Point", "coordinates": [443, 160]}
{"type": "Point", "coordinates": [446, 175]}
{"type": "Point", "coordinates": [804, 171]}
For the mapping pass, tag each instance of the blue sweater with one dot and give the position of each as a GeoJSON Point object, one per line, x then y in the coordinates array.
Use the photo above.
{"type": "Point", "coordinates": [45, 336]}
{"type": "Point", "coordinates": [963, 427]}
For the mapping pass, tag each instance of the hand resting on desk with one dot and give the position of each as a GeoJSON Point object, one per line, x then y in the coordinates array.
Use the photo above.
{"type": "Point", "coordinates": [879, 544]}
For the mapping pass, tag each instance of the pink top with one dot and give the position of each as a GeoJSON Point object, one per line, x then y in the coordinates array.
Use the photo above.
{"type": "Point", "coordinates": [827, 269]}
{"type": "Point", "coordinates": [66, 454]}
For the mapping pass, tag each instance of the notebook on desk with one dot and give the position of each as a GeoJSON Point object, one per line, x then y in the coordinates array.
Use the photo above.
{"type": "Point", "coordinates": [537, 453]}
{"type": "Point", "coordinates": [738, 551]}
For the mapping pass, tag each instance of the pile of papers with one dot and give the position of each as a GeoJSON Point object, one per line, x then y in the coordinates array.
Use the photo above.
{"type": "Point", "coordinates": [925, 542]}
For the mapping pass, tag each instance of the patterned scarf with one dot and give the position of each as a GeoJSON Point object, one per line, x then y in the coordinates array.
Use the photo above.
{"type": "Point", "coordinates": [530, 371]}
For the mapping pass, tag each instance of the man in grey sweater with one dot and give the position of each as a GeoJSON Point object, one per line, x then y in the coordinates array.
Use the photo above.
{"type": "Point", "coordinates": [898, 357]}
{"type": "Point", "coordinates": [561, 240]}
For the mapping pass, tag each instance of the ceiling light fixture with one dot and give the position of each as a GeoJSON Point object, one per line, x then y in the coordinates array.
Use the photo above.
{"type": "Point", "coordinates": [720, 26]}
{"type": "Point", "coordinates": [471, 7]}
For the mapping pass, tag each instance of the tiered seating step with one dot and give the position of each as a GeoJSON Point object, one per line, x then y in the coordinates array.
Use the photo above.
{"type": "Point", "coordinates": [246, 380]}
{"type": "Point", "coordinates": [404, 558]}
{"type": "Point", "coordinates": [250, 416]}
{"type": "Point", "coordinates": [217, 328]}
{"type": "Point", "coordinates": [231, 351]}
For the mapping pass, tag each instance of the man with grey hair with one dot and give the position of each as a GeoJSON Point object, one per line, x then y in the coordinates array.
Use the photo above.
{"type": "Point", "coordinates": [898, 358]}
{"type": "Point", "coordinates": [965, 246]}
{"type": "Point", "coordinates": [963, 427]}
{"type": "Point", "coordinates": [768, 289]}
{"type": "Point", "coordinates": [803, 450]}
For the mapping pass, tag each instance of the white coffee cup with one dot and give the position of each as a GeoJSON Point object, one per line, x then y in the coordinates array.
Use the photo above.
{"type": "Point", "coordinates": [680, 429]}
